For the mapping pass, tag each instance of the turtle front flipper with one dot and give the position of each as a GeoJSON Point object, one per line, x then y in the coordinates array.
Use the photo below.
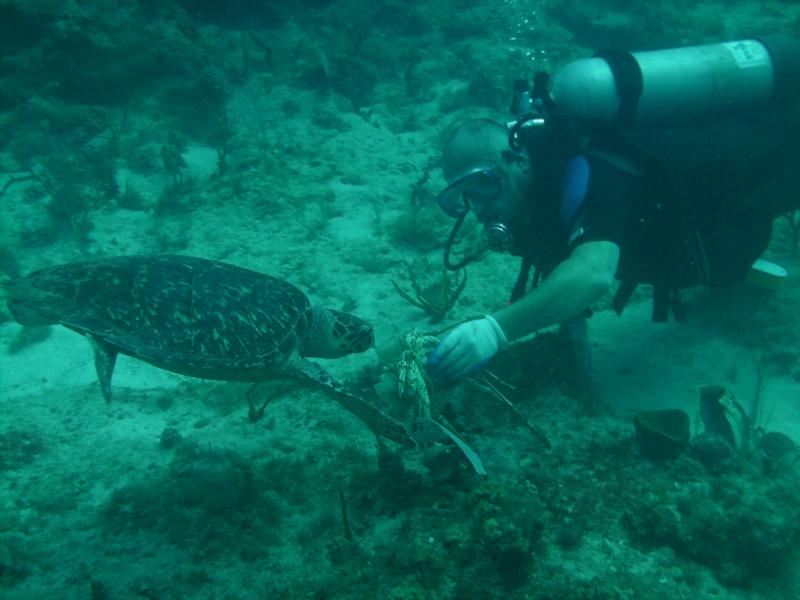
{"type": "Point", "coordinates": [105, 357]}
{"type": "Point", "coordinates": [380, 423]}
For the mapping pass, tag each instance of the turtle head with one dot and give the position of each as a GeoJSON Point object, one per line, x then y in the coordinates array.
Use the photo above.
{"type": "Point", "coordinates": [334, 334]}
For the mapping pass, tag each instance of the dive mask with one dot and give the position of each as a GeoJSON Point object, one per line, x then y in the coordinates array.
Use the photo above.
{"type": "Point", "coordinates": [475, 188]}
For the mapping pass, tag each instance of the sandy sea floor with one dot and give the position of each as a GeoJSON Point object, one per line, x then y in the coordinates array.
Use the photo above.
{"type": "Point", "coordinates": [170, 492]}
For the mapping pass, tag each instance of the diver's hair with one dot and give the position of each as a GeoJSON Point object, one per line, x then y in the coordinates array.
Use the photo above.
{"type": "Point", "coordinates": [474, 129]}
{"type": "Point", "coordinates": [484, 138]}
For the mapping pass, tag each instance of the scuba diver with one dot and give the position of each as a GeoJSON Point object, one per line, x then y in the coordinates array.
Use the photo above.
{"type": "Point", "coordinates": [664, 168]}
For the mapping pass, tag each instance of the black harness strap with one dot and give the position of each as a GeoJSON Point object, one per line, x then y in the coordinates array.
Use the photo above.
{"type": "Point", "coordinates": [666, 299]}
{"type": "Point", "coordinates": [661, 302]}
{"type": "Point", "coordinates": [521, 284]}
{"type": "Point", "coordinates": [622, 295]}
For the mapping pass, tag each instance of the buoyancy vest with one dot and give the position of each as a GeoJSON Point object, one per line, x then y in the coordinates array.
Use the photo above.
{"type": "Point", "coordinates": [698, 177]}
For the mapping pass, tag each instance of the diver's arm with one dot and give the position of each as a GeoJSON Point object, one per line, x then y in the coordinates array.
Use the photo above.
{"type": "Point", "coordinates": [574, 285]}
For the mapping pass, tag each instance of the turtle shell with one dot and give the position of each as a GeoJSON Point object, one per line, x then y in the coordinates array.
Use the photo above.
{"type": "Point", "coordinates": [189, 315]}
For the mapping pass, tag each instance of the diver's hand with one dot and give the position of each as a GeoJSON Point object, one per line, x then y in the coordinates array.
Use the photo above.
{"type": "Point", "coordinates": [466, 348]}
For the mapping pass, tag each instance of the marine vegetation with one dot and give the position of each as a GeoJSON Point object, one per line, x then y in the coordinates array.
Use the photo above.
{"type": "Point", "coordinates": [436, 298]}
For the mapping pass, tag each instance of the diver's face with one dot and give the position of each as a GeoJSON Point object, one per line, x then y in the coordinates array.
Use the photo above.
{"type": "Point", "coordinates": [505, 217]}
{"type": "Point", "coordinates": [475, 187]}
{"type": "Point", "coordinates": [485, 177]}
{"type": "Point", "coordinates": [495, 192]}
{"type": "Point", "coordinates": [504, 200]}
{"type": "Point", "coordinates": [491, 188]}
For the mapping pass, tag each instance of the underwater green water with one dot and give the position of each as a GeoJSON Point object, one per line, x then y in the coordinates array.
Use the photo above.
{"type": "Point", "coordinates": [303, 140]}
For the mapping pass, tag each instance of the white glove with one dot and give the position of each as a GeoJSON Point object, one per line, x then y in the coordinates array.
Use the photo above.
{"type": "Point", "coordinates": [466, 348]}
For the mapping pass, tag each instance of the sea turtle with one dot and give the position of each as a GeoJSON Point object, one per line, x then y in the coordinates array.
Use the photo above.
{"type": "Point", "coordinates": [198, 317]}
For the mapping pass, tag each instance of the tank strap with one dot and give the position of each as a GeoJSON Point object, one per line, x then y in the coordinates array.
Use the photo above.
{"type": "Point", "coordinates": [629, 80]}
{"type": "Point", "coordinates": [784, 51]}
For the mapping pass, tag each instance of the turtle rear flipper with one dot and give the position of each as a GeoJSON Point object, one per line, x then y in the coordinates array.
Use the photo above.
{"type": "Point", "coordinates": [380, 423]}
{"type": "Point", "coordinates": [105, 357]}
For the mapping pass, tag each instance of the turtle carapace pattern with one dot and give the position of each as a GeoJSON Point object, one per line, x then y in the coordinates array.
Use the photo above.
{"type": "Point", "coordinates": [197, 317]}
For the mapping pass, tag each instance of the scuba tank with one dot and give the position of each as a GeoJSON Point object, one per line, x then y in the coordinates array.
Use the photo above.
{"type": "Point", "coordinates": [673, 86]}
{"type": "Point", "coordinates": [722, 116]}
